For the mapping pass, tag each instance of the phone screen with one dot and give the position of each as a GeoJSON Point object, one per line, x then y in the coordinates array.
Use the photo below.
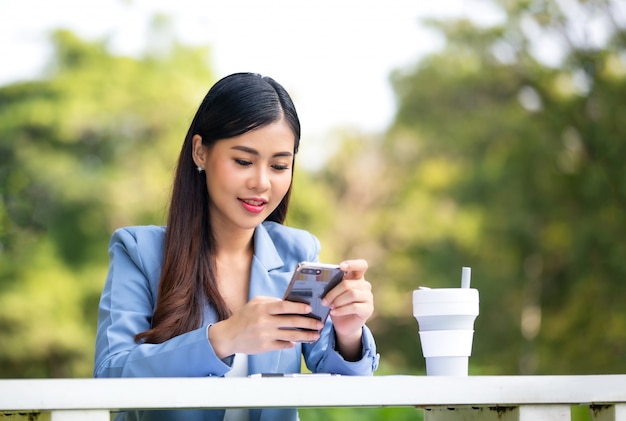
{"type": "Point", "coordinates": [310, 283]}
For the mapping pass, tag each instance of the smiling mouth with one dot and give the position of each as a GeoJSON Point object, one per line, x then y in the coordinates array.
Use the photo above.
{"type": "Point", "coordinates": [253, 202]}
{"type": "Point", "coordinates": [253, 205]}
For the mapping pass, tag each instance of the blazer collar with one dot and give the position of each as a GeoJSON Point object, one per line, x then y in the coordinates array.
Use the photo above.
{"type": "Point", "coordinates": [265, 249]}
{"type": "Point", "coordinates": [269, 282]}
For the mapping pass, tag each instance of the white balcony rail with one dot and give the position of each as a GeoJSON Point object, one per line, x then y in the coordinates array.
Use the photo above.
{"type": "Point", "coordinates": [521, 398]}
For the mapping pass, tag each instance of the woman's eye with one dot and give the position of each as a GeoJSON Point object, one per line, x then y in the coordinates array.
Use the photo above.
{"type": "Point", "coordinates": [243, 162]}
{"type": "Point", "coordinates": [280, 167]}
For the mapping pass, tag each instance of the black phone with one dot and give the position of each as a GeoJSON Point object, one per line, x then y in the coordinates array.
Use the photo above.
{"type": "Point", "coordinates": [310, 283]}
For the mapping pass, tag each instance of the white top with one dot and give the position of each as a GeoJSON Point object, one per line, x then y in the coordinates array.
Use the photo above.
{"type": "Point", "coordinates": [238, 369]}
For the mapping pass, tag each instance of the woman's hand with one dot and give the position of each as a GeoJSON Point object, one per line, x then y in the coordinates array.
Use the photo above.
{"type": "Point", "coordinates": [351, 304]}
{"type": "Point", "coordinates": [264, 324]}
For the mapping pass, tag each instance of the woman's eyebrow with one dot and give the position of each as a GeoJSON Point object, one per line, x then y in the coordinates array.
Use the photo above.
{"type": "Point", "coordinates": [255, 152]}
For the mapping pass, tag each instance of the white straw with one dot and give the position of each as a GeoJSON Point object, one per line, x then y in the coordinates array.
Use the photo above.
{"type": "Point", "coordinates": [465, 277]}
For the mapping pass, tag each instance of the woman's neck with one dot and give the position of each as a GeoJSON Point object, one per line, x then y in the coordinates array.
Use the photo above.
{"type": "Point", "coordinates": [233, 263]}
{"type": "Point", "coordinates": [233, 244]}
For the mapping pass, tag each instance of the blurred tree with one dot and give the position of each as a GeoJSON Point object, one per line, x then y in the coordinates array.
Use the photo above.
{"type": "Point", "coordinates": [86, 150]}
{"type": "Point", "coordinates": [498, 159]}
{"type": "Point", "coordinates": [504, 161]}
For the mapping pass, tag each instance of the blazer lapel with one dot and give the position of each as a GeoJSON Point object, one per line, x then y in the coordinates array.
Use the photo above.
{"type": "Point", "coordinates": [269, 277]}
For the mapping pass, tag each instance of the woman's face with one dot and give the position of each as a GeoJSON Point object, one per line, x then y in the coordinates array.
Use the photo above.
{"type": "Point", "coordinates": [247, 176]}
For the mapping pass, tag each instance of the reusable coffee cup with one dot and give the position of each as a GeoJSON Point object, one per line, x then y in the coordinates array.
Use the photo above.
{"type": "Point", "coordinates": [445, 317]}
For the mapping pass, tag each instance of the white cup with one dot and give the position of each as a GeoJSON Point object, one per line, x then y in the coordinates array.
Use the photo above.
{"type": "Point", "coordinates": [446, 327]}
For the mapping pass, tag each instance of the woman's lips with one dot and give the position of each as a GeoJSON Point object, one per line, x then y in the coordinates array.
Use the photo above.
{"type": "Point", "coordinates": [253, 205]}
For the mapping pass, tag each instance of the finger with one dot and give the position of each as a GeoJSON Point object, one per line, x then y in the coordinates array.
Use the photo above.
{"type": "Point", "coordinates": [358, 309]}
{"type": "Point", "coordinates": [296, 335]}
{"type": "Point", "coordinates": [338, 290]}
{"type": "Point", "coordinates": [360, 294]}
{"type": "Point", "coordinates": [288, 307]}
{"type": "Point", "coordinates": [362, 308]}
{"type": "Point", "coordinates": [264, 299]}
{"type": "Point", "coordinates": [300, 322]}
{"type": "Point", "coordinates": [348, 289]}
{"type": "Point", "coordinates": [354, 269]}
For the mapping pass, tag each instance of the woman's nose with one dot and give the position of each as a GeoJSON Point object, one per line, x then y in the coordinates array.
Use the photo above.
{"type": "Point", "coordinates": [260, 181]}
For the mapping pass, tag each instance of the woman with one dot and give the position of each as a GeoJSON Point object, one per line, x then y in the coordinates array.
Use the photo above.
{"type": "Point", "coordinates": [202, 296]}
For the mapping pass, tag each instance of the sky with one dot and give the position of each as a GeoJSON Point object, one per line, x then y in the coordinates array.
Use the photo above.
{"type": "Point", "coordinates": [333, 56]}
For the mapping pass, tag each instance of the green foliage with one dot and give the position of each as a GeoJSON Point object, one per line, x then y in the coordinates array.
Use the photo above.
{"type": "Point", "coordinates": [87, 150]}
{"type": "Point", "coordinates": [361, 414]}
{"type": "Point", "coordinates": [495, 160]}
{"type": "Point", "coordinates": [514, 168]}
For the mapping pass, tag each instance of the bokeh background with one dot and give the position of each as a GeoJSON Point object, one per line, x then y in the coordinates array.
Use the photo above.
{"type": "Point", "coordinates": [489, 134]}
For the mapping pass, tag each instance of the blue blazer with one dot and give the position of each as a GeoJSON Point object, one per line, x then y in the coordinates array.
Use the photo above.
{"type": "Point", "coordinates": [129, 298]}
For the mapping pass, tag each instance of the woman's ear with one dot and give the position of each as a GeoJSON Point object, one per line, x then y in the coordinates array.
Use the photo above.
{"type": "Point", "coordinates": [198, 151]}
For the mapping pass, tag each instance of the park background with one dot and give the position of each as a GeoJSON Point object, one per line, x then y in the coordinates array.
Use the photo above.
{"type": "Point", "coordinates": [504, 151]}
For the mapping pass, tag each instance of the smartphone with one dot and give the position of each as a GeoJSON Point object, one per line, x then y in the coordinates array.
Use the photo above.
{"type": "Point", "coordinates": [310, 283]}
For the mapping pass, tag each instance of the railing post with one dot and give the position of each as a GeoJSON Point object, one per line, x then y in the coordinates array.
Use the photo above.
{"type": "Point", "coordinates": [545, 412]}
{"type": "Point", "coordinates": [608, 412]}
{"type": "Point", "coordinates": [501, 413]}
{"type": "Point", "coordinates": [81, 415]}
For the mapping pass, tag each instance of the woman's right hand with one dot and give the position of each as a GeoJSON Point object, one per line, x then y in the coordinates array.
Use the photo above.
{"type": "Point", "coordinates": [264, 324]}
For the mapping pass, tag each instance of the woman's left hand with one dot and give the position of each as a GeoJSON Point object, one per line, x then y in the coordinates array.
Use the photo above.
{"type": "Point", "coordinates": [351, 304]}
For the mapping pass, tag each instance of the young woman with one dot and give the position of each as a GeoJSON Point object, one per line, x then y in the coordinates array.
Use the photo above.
{"type": "Point", "coordinates": [202, 296]}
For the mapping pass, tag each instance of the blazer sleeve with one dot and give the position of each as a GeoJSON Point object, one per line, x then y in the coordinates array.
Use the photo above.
{"type": "Point", "coordinates": [322, 356]}
{"type": "Point", "coordinates": [125, 309]}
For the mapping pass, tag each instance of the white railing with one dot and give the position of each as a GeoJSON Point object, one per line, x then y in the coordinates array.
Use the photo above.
{"type": "Point", "coordinates": [522, 398]}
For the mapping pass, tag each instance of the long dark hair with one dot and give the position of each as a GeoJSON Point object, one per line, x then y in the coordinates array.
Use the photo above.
{"type": "Point", "coordinates": [235, 105]}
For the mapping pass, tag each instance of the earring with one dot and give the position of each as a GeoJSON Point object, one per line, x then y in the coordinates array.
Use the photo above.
{"type": "Point", "coordinates": [200, 169]}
